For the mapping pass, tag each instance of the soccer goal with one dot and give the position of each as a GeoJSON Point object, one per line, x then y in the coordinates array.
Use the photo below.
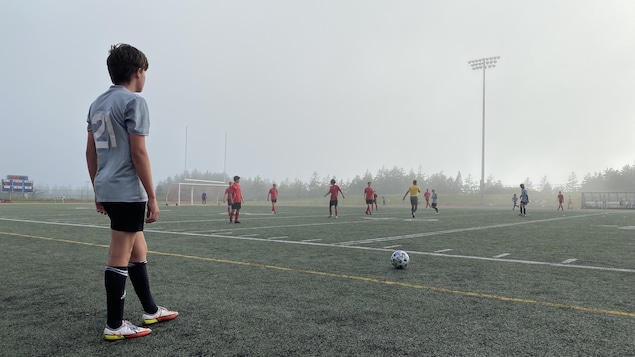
{"type": "Point", "coordinates": [193, 188]}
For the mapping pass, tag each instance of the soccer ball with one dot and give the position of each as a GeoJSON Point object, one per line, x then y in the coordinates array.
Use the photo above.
{"type": "Point", "coordinates": [399, 259]}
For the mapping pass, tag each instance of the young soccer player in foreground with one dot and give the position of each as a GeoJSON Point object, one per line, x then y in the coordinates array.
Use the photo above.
{"type": "Point", "coordinates": [119, 168]}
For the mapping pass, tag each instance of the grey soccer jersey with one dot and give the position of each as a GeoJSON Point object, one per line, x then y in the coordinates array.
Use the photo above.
{"type": "Point", "coordinates": [524, 197]}
{"type": "Point", "coordinates": [112, 117]}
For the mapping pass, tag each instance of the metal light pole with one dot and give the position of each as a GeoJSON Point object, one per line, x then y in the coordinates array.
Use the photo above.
{"type": "Point", "coordinates": [483, 64]}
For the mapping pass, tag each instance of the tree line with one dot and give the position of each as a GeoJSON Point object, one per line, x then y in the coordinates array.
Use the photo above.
{"type": "Point", "coordinates": [396, 180]}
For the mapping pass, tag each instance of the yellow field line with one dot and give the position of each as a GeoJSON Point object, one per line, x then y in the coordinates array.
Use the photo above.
{"type": "Point", "coordinates": [359, 278]}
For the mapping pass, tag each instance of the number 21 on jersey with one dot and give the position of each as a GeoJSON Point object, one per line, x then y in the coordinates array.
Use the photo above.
{"type": "Point", "coordinates": [104, 133]}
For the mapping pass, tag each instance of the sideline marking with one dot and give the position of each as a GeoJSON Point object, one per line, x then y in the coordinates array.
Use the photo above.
{"type": "Point", "coordinates": [501, 255]}
{"type": "Point", "coordinates": [358, 278]}
{"type": "Point", "coordinates": [227, 235]}
{"type": "Point", "coordinates": [392, 246]}
{"type": "Point", "coordinates": [443, 250]}
{"type": "Point", "coordinates": [569, 261]}
{"type": "Point", "coordinates": [458, 230]}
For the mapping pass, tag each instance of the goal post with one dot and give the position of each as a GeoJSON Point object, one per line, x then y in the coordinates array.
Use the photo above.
{"type": "Point", "coordinates": [195, 188]}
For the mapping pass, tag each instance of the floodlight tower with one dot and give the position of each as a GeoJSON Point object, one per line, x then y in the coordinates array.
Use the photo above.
{"type": "Point", "coordinates": [483, 63]}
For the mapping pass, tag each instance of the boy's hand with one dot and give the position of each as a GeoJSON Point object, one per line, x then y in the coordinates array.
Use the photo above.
{"type": "Point", "coordinates": [152, 214]}
{"type": "Point", "coordinates": [100, 208]}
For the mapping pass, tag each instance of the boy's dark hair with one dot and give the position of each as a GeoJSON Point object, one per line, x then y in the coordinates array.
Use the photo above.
{"type": "Point", "coordinates": [236, 178]}
{"type": "Point", "coordinates": [123, 61]}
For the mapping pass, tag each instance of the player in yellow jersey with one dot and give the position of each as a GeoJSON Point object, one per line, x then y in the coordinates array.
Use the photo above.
{"type": "Point", "coordinates": [414, 191]}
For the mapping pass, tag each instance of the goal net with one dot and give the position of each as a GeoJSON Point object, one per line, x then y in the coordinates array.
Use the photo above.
{"type": "Point", "coordinates": [196, 192]}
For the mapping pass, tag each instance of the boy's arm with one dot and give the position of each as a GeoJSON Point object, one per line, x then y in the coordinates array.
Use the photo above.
{"type": "Point", "coordinates": [91, 157]}
{"type": "Point", "coordinates": [92, 162]}
{"type": "Point", "coordinates": [141, 161]}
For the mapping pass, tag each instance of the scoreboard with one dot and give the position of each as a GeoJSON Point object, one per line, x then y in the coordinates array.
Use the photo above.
{"type": "Point", "coordinates": [17, 183]}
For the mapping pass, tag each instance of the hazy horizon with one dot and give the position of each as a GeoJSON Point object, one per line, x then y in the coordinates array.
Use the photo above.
{"type": "Point", "coordinates": [333, 87]}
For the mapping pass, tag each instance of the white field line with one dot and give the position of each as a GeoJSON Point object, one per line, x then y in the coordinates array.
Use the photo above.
{"type": "Point", "coordinates": [274, 238]}
{"type": "Point", "coordinates": [501, 255]}
{"type": "Point", "coordinates": [569, 261]}
{"type": "Point", "coordinates": [243, 228]}
{"type": "Point", "coordinates": [458, 230]}
{"type": "Point", "coordinates": [106, 226]}
{"type": "Point", "coordinates": [442, 250]}
{"type": "Point", "coordinates": [312, 240]}
{"type": "Point", "coordinates": [498, 260]}
{"type": "Point", "coordinates": [392, 246]}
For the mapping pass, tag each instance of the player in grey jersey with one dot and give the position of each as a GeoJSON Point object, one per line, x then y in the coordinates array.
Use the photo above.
{"type": "Point", "coordinates": [524, 200]}
{"type": "Point", "coordinates": [119, 168]}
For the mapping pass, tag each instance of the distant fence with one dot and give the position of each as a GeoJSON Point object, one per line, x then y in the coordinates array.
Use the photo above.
{"type": "Point", "coordinates": [608, 200]}
{"type": "Point", "coordinates": [61, 195]}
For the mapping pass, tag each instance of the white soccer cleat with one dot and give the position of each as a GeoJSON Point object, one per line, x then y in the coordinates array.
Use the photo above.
{"type": "Point", "coordinates": [126, 330]}
{"type": "Point", "coordinates": [161, 315]}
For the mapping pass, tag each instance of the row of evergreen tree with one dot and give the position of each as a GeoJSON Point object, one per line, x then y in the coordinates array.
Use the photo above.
{"type": "Point", "coordinates": [396, 181]}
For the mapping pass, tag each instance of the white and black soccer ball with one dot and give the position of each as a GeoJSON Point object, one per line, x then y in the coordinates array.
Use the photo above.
{"type": "Point", "coordinates": [399, 259]}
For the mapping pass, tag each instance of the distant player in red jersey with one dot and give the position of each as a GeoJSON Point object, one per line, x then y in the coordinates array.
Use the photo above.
{"type": "Point", "coordinates": [237, 200]}
{"type": "Point", "coordinates": [369, 195]}
{"type": "Point", "coordinates": [426, 195]}
{"type": "Point", "coordinates": [560, 200]}
{"type": "Point", "coordinates": [228, 198]}
{"type": "Point", "coordinates": [334, 191]}
{"type": "Point", "coordinates": [273, 194]}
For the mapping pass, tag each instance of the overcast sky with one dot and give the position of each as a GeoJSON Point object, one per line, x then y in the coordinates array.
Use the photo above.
{"type": "Point", "coordinates": [334, 87]}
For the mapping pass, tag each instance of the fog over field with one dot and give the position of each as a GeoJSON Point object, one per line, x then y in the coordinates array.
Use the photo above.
{"type": "Point", "coordinates": [283, 89]}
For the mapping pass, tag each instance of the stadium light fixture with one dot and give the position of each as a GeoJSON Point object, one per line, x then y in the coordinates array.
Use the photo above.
{"type": "Point", "coordinates": [483, 63]}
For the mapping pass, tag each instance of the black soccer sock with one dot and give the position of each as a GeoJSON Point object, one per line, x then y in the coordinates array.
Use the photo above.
{"type": "Point", "coordinates": [139, 278]}
{"type": "Point", "coordinates": [115, 281]}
